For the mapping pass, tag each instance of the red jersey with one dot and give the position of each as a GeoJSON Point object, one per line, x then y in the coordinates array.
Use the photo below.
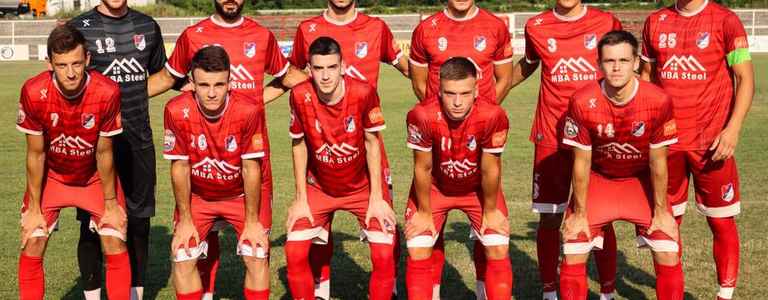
{"type": "Point", "coordinates": [456, 164]}
{"type": "Point", "coordinates": [481, 37]}
{"type": "Point", "coordinates": [567, 49]}
{"type": "Point", "coordinates": [71, 127]}
{"type": "Point", "coordinates": [365, 42]}
{"type": "Point", "coordinates": [621, 135]}
{"type": "Point", "coordinates": [690, 53]}
{"type": "Point", "coordinates": [334, 134]}
{"type": "Point", "coordinates": [215, 148]}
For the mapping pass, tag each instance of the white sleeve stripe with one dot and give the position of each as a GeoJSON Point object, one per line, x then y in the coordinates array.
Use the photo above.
{"type": "Point", "coordinates": [503, 61]}
{"type": "Point", "coordinates": [175, 157]}
{"type": "Point", "coordinates": [111, 133]}
{"type": "Point", "coordinates": [531, 61]}
{"type": "Point", "coordinates": [664, 143]}
{"type": "Point", "coordinates": [253, 155]}
{"type": "Point", "coordinates": [397, 57]}
{"type": "Point", "coordinates": [577, 145]}
{"type": "Point", "coordinates": [493, 150]}
{"type": "Point", "coordinates": [296, 135]}
{"type": "Point", "coordinates": [416, 63]}
{"type": "Point", "coordinates": [375, 129]}
{"type": "Point", "coordinates": [283, 71]}
{"type": "Point", "coordinates": [420, 148]}
{"type": "Point", "coordinates": [28, 131]}
{"type": "Point", "coordinates": [646, 58]}
{"type": "Point", "coordinates": [173, 71]}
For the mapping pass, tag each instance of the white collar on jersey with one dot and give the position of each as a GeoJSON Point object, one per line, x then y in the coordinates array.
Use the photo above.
{"type": "Point", "coordinates": [583, 13]}
{"type": "Point", "coordinates": [469, 16]}
{"type": "Point", "coordinates": [631, 96]}
{"type": "Point", "coordinates": [80, 93]}
{"type": "Point", "coordinates": [227, 25]}
{"type": "Point", "coordinates": [338, 23]}
{"type": "Point", "coordinates": [693, 13]}
{"type": "Point", "coordinates": [216, 117]}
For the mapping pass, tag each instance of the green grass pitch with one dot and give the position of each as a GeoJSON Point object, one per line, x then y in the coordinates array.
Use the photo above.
{"type": "Point", "coordinates": [350, 261]}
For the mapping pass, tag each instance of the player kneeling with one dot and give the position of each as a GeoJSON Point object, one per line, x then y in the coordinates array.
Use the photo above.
{"type": "Point", "coordinates": [337, 164]}
{"type": "Point", "coordinates": [629, 124]}
{"type": "Point", "coordinates": [70, 116]}
{"type": "Point", "coordinates": [457, 143]}
{"type": "Point", "coordinates": [213, 137]}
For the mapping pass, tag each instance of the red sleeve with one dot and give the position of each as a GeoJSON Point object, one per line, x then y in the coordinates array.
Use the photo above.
{"type": "Point", "coordinates": [252, 141]}
{"type": "Point", "coordinates": [174, 138]}
{"type": "Point", "coordinates": [503, 53]}
{"type": "Point", "coordinates": [574, 132]}
{"type": "Point", "coordinates": [531, 56]}
{"type": "Point", "coordinates": [298, 56]}
{"type": "Point", "coordinates": [648, 52]}
{"type": "Point", "coordinates": [111, 121]}
{"type": "Point", "coordinates": [665, 129]}
{"type": "Point", "coordinates": [418, 55]}
{"type": "Point", "coordinates": [276, 63]}
{"type": "Point", "coordinates": [373, 118]}
{"type": "Point", "coordinates": [496, 134]}
{"type": "Point", "coordinates": [390, 50]}
{"type": "Point", "coordinates": [178, 64]}
{"type": "Point", "coordinates": [296, 128]}
{"type": "Point", "coordinates": [419, 133]}
{"type": "Point", "coordinates": [617, 23]}
{"type": "Point", "coordinates": [27, 119]}
{"type": "Point", "coordinates": [733, 34]}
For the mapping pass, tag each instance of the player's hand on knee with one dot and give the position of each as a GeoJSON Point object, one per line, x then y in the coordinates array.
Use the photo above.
{"type": "Point", "coordinates": [184, 233]}
{"type": "Point", "coordinates": [494, 219]}
{"type": "Point", "coordinates": [31, 221]}
{"type": "Point", "coordinates": [574, 225]}
{"type": "Point", "coordinates": [256, 235]}
{"type": "Point", "coordinates": [381, 211]}
{"type": "Point", "coordinates": [115, 216]}
{"type": "Point", "coordinates": [725, 144]}
{"type": "Point", "coordinates": [419, 223]}
{"type": "Point", "coordinates": [664, 221]}
{"type": "Point", "coordinates": [299, 209]}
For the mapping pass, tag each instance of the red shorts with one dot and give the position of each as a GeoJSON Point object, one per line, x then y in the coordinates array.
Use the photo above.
{"type": "Point", "coordinates": [265, 212]}
{"type": "Point", "coordinates": [57, 195]}
{"type": "Point", "coordinates": [552, 167]}
{"type": "Point", "coordinates": [716, 183]}
{"type": "Point", "coordinates": [441, 205]}
{"type": "Point", "coordinates": [205, 214]}
{"type": "Point", "coordinates": [613, 199]}
{"type": "Point", "coordinates": [323, 206]}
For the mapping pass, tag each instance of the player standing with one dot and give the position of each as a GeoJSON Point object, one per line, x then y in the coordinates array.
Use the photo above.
{"type": "Point", "coordinates": [463, 173]}
{"type": "Point", "coordinates": [337, 165]}
{"type": "Point", "coordinates": [126, 46]}
{"type": "Point", "coordinates": [69, 116]}
{"type": "Point", "coordinates": [564, 41]}
{"type": "Point", "coordinates": [697, 51]}
{"type": "Point", "coordinates": [620, 128]}
{"type": "Point", "coordinates": [213, 136]}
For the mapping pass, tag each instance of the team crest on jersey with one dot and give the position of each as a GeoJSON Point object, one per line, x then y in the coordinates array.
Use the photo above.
{"type": "Point", "coordinates": [349, 124]}
{"type": "Point", "coordinates": [590, 41]}
{"type": "Point", "coordinates": [480, 43]}
{"type": "Point", "coordinates": [638, 128]}
{"type": "Point", "coordinates": [21, 116]}
{"type": "Point", "coordinates": [139, 41]}
{"type": "Point", "coordinates": [202, 144]}
{"type": "Point", "coordinates": [361, 49]}
{"type": "Point", "coordinates": [231, 143]}
{"type": "Point", "coordinates": [471, 143]}
{"type": "Point", "coordinates": [88, 121]}
{"type": "Point", "coordinates": [727, 192]}
{"type": "Point", "coordinates": [249, 49]}
{"type": "Point", "coordinates": [702, 40]}
{"type": "Point", "coordinates": [551, 45]}
{"type": "Point", "coordinates": [169, 140]}
{"type": "Point", "coordinates": [442, 43]}
{"type": "Point", "coordinates": [571, 129]}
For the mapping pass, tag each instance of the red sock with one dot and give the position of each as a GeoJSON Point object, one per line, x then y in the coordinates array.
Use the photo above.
{"type": "Point", "coordinates": [383, 275]}
{"type": "Point", "coordinates": [605, 260]}
{"type": "Point", "coordinates": [438, 260]}
{"type": "Point", "coordinates": [118, 275]}
{"type": "Point", "coordinates": [396, 258]}
{"type": "Point", "coordinates": [669, 282]}
{"type": "Point", "coordinates": [418, 278]}
{"type": "Point", "coordinates": [196, 295]}
{"type": "Point", "coordinates": [478, 257]}
{"type": "Point", "coordinates": [210, 265]}
{"type": "Point", "coordinates": [725, 249]}
{"type": "Point", "coordinates": [573, 281]}
{"type": "Point", "coordinates": [498, 279]}
{"type": "Point", "coordinates": [255, 295]}
{"type": "Point", "coordinates": [31, 278]}
{"type": "Point", "coordinates": [320, 260]}
{"type": "Point", "coordinates": [548, 252]}
{"type": "Point", "coordinates": [300, 279]}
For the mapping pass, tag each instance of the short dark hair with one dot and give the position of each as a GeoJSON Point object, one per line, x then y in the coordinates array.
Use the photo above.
{"type": "Point", "coordinates": [64, 38]}
{"type": "Point", "coordinates": [324, 46]}
{"type": "Point", "coordinates": [458, 68]}
{"type": "Point", "coordinates": [617, 37]}
{"type": "Point", "coordinates": [210, 59]}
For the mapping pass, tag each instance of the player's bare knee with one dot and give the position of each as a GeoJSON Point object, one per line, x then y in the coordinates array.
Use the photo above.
{"type": "Point", "coordinates": [185, 269]}
{"type": "Point", "coordinates": [35, 246]}
{"type": "Point", "coordinates": [573, 259]}
{"type": "Point", "coordinates": [666, 258]}
{"type": "Point", "coordinates": [255, 264]}
{"type": "Point", "coordinates": [112, 245]}
{"type": "Point", "coordinates": [420, 253]}
{"type": "Point", "coordinates": [550, 221]}
{"type": "Point", "coordinates": [496, 252]}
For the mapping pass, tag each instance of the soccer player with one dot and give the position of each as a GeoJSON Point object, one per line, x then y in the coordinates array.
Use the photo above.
{"type": "Point", "coordinates": [253, 51]}
{"type": "Point", "coordinates": [126, 46]}
{"type": "Point", "coordinates": [462, 29]}
{"type": "Point", "coordinates": [457, 142]}
{"type": "Point", "coordinates": [366, 42]}
{"type": "Point", "coordinates": [337, 165]}
{"type": "Point", "coordinates": [564, 41]}
{"type": "Point", "coordinates": [619, 128]}
{"type": "Point", "coordinates": [697, 51]}
{"type": "Point", "coordinates": [69, 116]}
{"type": "Point", "coordinates": [213, 136]}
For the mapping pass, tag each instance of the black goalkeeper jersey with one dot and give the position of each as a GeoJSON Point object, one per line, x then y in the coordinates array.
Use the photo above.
{"type": "Point", "coordinates": [127, 50]}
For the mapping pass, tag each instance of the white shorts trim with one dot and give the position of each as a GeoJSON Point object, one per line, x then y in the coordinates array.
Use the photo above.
{"type": "Point", "coordinates": [111, 133]}
{"type": "Point", "coordinates": [421, 241]}
{"type": "Point", "coordinates": [503, 61]}
{"type": "Point", "coordinates": [548, 208]}
{"type": "Point", "coordinates": [576, 144]}
{"type": "Point", "coordinates": [679, 209]}
{"type": "Point", "coordinates": [531, 61]}
{"type": "Point", "coordinates": [647, 59]}
{"type": "Point", "coordinates": [664, 143]}
{"type": "Point", "coordinates": [296, 135]}
{"type": "Point", "coordinates": [720, 212]}
{"type": "Point", "coordinates": [416, 63]}
{"type": "Point", "coordinates": [282, 71]}
{"type": "Point", "coordinates": [376, 237]}
{"type": "Point", "coordinates": [28, 131]}
{"type": "Point", "coordinates": [398, 57]}
{"type": "Point", "coordinates": [375, 129]}
{"type": "Point", "coordinates": [491, 239]}
{"type": "Point", "coordinates": [173, 71]}
{"type": "Point", "coordinates": [201, 251]}
{"type": "Point", "coordinates": [247, 250]}
{"type": "Point", "coordinates": [253, 155]}
{"type": "Point", "coordinates": [493, 150]}
{"type": "Point", "coordinates": [417, 147]}
{"type": "Point", "coordinates": [42, 233]}
{"type": "Point", "coordinates": [175, 157]}
{"type": "Point", "coordinates": [318, 235]}
{"type": "Point", "coordinates": [583, 247]}
{"type": "Point", "coordinates": [657, 245]}
{"type": "Point", "coordinates": [105, 231]}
